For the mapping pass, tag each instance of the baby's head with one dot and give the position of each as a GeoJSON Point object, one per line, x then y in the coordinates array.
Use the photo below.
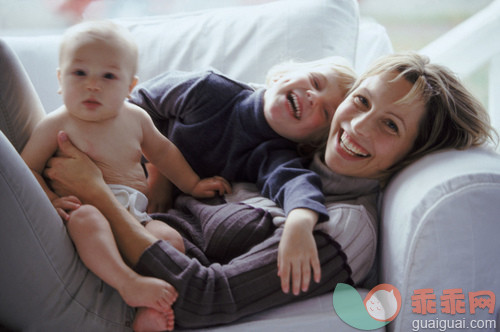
{"type": "Point", "coordinates": [301, 97]}
{"type": "Point", "coordinates": [401, 109]}
{"type": "Point", "coordinates": [101, 33]}
{"type": "Point", "coordinates": [97, 62]}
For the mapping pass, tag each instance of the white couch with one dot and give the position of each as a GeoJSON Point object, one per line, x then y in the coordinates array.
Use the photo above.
{"type": "Point", "coordinates": [439, 218]}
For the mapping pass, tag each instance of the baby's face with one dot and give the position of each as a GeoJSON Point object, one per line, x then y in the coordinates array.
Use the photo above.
{"type": "Point", "coordinates": [95, 78]}
{"type": "Point", "coordinates": [301, 103]}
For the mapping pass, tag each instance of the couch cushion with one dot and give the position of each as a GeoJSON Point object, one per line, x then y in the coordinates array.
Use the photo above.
{"type": "Point", "coordinates": [242, 42]}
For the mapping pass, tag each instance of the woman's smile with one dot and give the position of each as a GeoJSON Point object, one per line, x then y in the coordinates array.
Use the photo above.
{"type": "Point", "coordinates": [351, 147]}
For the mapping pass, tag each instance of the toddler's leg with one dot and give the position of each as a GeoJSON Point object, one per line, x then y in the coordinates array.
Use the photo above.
{"type": "Point", "coordinates": [163, 231]}
{"type": "Point", "coordinates": [97, 248]}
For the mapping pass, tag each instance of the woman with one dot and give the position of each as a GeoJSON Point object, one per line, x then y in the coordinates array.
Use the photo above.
{"type": "Point", "coordinates": [406, 113]}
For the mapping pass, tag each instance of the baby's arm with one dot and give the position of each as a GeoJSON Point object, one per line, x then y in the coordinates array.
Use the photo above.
{"type": "Point", "coordinates": [160, 194]}
{"type": "Point", "coordinates": [168, 159]}
{"type": "Point", "coordinates": [38, 150]}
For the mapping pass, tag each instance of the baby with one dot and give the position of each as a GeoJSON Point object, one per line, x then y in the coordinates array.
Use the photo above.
{"type": "Point", "coordinates": [97, 67]}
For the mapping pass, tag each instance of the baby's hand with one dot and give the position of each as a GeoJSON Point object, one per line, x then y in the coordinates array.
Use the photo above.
{"type": "Point", "coordinates": [209, 187]}
{"type": "Point", "coordinates": [64, 205]}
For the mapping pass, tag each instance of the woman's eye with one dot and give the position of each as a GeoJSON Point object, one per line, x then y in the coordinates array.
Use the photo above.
{"type": "Point", "coordinates": [361, 100]}
{"type": "Point", "coordinates": [392, 126]}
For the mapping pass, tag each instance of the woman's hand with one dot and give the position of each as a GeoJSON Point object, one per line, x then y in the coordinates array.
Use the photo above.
{"type": "Point", "coordinates": [297, 253]}
{"type": "Point", "coordinates": [72, 172]}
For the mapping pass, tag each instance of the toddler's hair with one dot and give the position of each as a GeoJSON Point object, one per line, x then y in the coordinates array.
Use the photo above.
{"type": "Point", "coordinates": [341, 66]}
{"type": "Point", "coordinates": [453, 119]}
{"type": "Point", "coordinates": [103, 30]}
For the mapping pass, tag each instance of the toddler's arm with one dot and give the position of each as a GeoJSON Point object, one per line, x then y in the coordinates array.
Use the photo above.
{"type": "Point", "coordinates": [297, 253]}
{"type": "Point", "coordinates": [163, 154]}
{"type": "Point", "coordinates": [286, 181]}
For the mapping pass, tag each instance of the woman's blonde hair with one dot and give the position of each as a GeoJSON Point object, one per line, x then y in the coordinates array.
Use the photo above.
{"type": "Point", "coordinates": [453, 119]}
{"type": "Point", "coordinates": [345, 77]}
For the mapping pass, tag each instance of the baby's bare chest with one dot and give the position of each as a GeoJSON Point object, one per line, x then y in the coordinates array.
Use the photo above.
{"type": "Point", "coordinates": [115, 148]}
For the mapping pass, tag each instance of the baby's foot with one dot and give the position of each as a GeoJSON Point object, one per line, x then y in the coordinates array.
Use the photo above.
{"type": "Point", "coordinates": [148, 292]}
{"type": "Point", "coordinates": [150, 320]}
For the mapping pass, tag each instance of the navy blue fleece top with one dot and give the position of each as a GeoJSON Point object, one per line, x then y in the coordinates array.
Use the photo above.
{"type": "Point", "coordinates": [219, 126]}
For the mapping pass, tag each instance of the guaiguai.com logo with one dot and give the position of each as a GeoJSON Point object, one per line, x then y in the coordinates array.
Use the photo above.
{"type": "Point", "coordinates": [379, 308]}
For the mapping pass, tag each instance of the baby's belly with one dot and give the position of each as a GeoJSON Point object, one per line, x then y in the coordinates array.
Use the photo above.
{"type": "Point", "coordinates": [132, 178]}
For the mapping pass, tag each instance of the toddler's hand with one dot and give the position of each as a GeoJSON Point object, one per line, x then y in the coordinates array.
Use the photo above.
{"type": "Point", "coordinates": [64, 205]}
{"type": "Point", "coordinates": [297, 255]}
{"type": "Point", "coordinates": [209, 187]}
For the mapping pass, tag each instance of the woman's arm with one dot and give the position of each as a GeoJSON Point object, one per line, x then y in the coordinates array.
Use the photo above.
{"type": "Point", "coordinates": [73, 173]}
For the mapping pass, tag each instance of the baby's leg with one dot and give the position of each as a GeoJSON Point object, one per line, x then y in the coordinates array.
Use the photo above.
{"type": "Point", "coordinates": [163, 231]}
{"type": "Point", "coordinates": [97, 248]}
{"type": "Point", "coordinates": [149, 320]}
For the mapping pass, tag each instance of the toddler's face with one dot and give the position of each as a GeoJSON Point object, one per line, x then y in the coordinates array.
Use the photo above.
{"type": "Point", "coordinates": [301, 103]}
{"type": "Point", "coordinates": [95, 78]}
{"type": "Point", "coordinates": [370, 132]}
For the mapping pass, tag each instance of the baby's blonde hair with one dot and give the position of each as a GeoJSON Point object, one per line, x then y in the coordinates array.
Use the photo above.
{"type": "Point", "coordinates": [453, 119]}
{"type": "Point", "coordinates": [103, 30]}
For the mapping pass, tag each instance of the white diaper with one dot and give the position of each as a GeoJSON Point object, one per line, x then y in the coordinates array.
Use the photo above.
{"type": "Point", "coordinates": [133, 200]}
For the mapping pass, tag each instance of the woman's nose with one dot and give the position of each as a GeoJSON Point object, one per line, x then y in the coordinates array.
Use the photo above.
{"type": "Point", "coordinates": [362, 124]}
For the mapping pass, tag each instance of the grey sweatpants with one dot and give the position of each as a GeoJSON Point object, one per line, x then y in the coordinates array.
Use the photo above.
{"type": "Point", "coordinates": [232, 271]}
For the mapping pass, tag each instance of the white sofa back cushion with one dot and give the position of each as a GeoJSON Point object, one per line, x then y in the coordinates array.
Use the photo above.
{"type": "Point", "coordinates": [242, 42]}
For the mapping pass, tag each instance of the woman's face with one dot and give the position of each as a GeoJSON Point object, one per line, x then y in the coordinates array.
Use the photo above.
{"type": "Point", "coordinates": [370, 132]}
{"type": "Point", "coordinates": [301, 103]}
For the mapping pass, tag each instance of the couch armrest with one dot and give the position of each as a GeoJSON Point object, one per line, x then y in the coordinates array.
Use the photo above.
{"type": "Point", "coordinates": [439, 230]}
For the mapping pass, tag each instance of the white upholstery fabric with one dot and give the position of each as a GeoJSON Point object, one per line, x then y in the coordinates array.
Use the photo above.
{"type": "Point", "coordinates": [242, 42]}
{"type": "Point", "coordinates": [440, 230]}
